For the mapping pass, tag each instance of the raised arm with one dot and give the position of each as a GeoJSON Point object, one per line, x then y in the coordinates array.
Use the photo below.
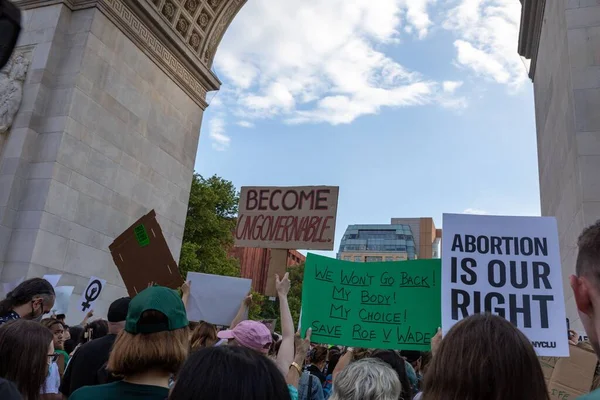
{"type": "Point", "coordinates": [243, 311]}
{"type": "Point", "coordinates": [185, 293]}
{"type": "Point", "coordinates": [285, 357]}
{"type": "Point", "coordinates": [295, 370]}
{"type": "Point", "coordinates": [343, 363]}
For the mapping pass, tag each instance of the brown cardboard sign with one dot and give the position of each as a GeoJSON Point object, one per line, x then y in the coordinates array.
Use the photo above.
{"type": "Point", "coordinates": [287, 217]}
{"type": "Point", "coordinates": [142, 256]}
{"type": "Point", "coordinates": [570, 377]}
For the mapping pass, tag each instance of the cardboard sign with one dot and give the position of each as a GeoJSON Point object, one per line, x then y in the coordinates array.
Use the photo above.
{"type": "Point", "coordinates": [287, 217]}
{"type": "Point", "coordinates": [509, 266]}
{"type": "Point", "coordinates": [53, 279]}
{"type": "Point", "coordinates": [388, 305]}
{"type": "Point", "coordinates": [143, 257]}
{"type": "Point", "coordinates": [571, 377]}
{"type": "Point", "coordinates": [63, 296]}
{"type": "Point", "coordinates": [215, 298]}
{"type": "Point", "coordinates": [91, 294]}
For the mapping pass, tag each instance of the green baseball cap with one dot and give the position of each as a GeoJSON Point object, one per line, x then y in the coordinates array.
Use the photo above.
{"type": "Point", "coordinates": [156, 298]}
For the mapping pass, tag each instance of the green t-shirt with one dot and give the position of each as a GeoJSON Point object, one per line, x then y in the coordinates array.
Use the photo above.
{"type": "Point", "coordinates": [65, 354]}
{"type": "Point", "coordinates": [595, 395]}
{"type": "Point", "coordinates": [121, 391]}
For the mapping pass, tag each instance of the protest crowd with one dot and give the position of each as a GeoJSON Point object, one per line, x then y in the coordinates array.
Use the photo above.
{"type": "Point", "coordinates": [148, 349]}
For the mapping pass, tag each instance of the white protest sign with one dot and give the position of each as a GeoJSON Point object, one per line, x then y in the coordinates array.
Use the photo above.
{"type": "Point", "coordinates": [63, 295]}
{"type": "Point", "coordinates": [582, 336]}
{"type": "Point", "coordinates": [9, 286]}
{"type": "Point", "coordinates": [215, 298]}
{"type": "Point", "coordinates": [53, 279]}
{"type": "Point", "coordinates": [509, 266]}
{"type": "Point", "coordinates": [90, 294]}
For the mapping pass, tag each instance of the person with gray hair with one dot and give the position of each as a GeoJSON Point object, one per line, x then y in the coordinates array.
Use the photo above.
{"type": "Point", "coordinates": [367, 379]}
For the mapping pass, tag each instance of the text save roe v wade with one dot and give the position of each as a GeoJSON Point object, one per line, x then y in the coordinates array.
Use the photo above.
{"type": "Point", "coordinates": [504, 276]}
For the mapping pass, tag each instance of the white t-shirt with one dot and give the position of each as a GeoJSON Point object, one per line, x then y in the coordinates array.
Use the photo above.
{"type": "Point", "coordinates": [52, 382]}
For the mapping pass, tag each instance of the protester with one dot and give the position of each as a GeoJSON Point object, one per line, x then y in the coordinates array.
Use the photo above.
{"type": "Point", "coordinates": [204, 335]}
{"type": "Point", "coordinates": [149, 351]}
{"type": "Point", "coordinates": [26, 350]}
{"type": "Point", "coordinates": [76, 333]}
{"type": "Point", "coordinates": [586, 288]}
{"type": "Point", "coordinates": [303, 385]}
{"type": "Point", "coordinates": [485, 357]}
{"type": "Point", "coordinates": [256, 336]}
{"type": "Point", "coordinates": [334, 357]}
{"type": "Point", "coordinates": [226, 373]}
{"type": "Point", "coordinates": [368, 378]}
{"type": "Point", "coordinates": [94, 330]}
{"type": "Point", "coordinates": [57, 329]}
{"type": "Point", "coordinates": [394, 360]}
{"type": "Point", "coordinates": [318, 358]}
{"type": "Point", "coordinates": [30, 300]}
{"type": "Point", "coordinates": [88, 365]}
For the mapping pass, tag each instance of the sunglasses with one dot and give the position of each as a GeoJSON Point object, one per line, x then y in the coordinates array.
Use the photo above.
{"type": "Point", "coordinates": [53, 357]}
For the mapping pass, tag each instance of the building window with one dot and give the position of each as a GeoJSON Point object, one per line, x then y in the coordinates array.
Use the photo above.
{"type": "Point", "coordinates": [357, 259]}
{"type": "Point", "coordinates": [389, 259]}
{"type": "Point", "coordinates": [347, 258]}
{"type": "Point", "coordinates": [374, 259]}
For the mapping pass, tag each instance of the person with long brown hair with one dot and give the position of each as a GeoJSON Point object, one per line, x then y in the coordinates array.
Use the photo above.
{"type": "Point", "coordinates": [148, 352]}
{"type": "Point", "coordinates": [26, 350]}
{"type": "Point", "coordinates": [204, 335]}
{"type": "Point", "coordinates": [485, 357]}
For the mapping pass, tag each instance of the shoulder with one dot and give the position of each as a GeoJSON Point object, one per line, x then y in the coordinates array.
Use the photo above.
{"type": "Point", "coordinates": [93, 392]}
{"type": "Point", "coordinates": [595, 395]}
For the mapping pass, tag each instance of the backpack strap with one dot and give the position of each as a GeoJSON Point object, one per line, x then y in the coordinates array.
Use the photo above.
{"type": "Point", "coordinates": [310, 379]}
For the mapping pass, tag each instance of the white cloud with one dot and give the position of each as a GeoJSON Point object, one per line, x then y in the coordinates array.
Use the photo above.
{"type": "Point", "coordinates": [487, 38]}
{"type": "Point", "coordinates": [322, 60]}
{"type": "Point", "coordinates": [451, 86]}
{"type": "Point", "coordinates": [216, 131]}
{"type": "Point", "coordinates": [475, 211]}
{"type": "Point", "coordinates": [245, 124]}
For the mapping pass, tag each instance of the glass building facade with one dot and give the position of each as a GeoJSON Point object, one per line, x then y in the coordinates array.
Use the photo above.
{"type": "Point", "coordinates": [377, 243]}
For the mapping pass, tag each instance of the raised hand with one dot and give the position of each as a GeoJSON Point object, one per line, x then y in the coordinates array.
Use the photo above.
{"type": "Point", "coordinates": [283, 285]}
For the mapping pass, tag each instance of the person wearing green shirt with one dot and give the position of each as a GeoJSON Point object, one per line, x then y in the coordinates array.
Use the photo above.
{"type": "Point", "coordinates": [586, 289]}
{"type": "Point", "coordinates": [150, 350]}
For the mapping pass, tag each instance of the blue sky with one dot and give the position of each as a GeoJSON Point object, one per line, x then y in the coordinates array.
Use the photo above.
{"type": "Point", "coordinates": [412, 107]}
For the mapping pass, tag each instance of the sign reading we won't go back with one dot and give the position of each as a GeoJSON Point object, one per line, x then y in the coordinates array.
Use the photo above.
{"type": "Point", "coordinates": [509, 266]}
{"type": "Point", "coordinates": [387, 305]}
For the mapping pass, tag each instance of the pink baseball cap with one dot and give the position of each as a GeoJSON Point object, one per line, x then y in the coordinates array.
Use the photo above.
{"type": "Point", "coordinates": [251, 334]}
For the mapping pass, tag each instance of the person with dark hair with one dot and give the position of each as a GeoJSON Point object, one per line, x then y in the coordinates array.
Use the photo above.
{"type": "Point", "coordinates": [586, 288]}
{"type": "Point", "coordinates": [57, 367]}
{"type": "Point", "coordinates": [334, 357]}
{"type": "Point", "coordinates": [30, 300]}
{"type": "Point", "coordinates": [472, 363]}
{"type": "Point", "coordinates": [76, 333]}
{"type": "Point", "coordinates": [394, 360]}
{"type": "Point", "coordinates": [26, 351]}
{"type": "Point", "coordinates": [149, 351]}
{"type": "Point", "coordinates": [94, 330]}
{"type": "Point", "coordinates": [88, 363]}
{"type": "Point", "coordinates": [204, 335]}
{"type": "Point", "coordinates": [229, 372]}
{"type": "Point", "coordinates": [318, 358]}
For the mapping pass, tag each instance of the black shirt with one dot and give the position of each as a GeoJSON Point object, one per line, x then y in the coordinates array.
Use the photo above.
{"type": "Point", "coordinates": [8, 391]}
{"type": "Point", "coordinates": [11, 316]}
{"type": "Point", "coordinates": [314, 370]}
{"type": "Point", "coordinates": [86, 365]}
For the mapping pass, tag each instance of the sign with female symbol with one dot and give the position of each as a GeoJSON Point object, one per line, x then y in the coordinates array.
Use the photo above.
{"type": "Point", "coordinates": [91, 293]}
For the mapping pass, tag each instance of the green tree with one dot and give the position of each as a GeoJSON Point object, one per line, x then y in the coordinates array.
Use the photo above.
{"type": "Point", "coordinates": [209, 227]}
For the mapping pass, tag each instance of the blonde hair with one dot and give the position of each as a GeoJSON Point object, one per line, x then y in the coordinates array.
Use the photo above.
{"type": "Point", "coordinates": [132, 354]}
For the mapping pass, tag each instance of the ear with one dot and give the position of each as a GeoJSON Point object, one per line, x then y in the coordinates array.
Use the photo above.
{"type": "Point", "coordinates": [581, 292]}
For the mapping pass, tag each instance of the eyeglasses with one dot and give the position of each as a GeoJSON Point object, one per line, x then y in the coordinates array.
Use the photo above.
{"type": "Point", "coordinates": [53, 357]}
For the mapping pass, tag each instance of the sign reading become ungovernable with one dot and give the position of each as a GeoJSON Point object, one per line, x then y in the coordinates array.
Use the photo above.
{"type": "Point", "coordinates": [509, 266]}
{"type": "Point", "coordinates": [287, 217]}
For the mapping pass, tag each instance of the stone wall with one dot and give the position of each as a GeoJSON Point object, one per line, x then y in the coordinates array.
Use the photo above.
{"type": "Point", "coordinates": [567, 102]}
{"type": "Point", "coordinates": [103, 136]}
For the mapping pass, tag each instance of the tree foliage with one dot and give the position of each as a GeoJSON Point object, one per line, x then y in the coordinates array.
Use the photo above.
{"type": "Point", "coordinates": [208, 236]}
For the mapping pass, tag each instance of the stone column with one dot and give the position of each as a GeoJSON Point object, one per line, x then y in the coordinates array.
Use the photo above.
{"type": "Point", "coordinates": [110, 96]}
{"type": "Point", "coordinates": [562, 39]}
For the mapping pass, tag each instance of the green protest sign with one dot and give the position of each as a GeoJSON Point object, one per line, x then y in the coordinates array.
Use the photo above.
{"type": "Point", "coordinates": [388, 305]}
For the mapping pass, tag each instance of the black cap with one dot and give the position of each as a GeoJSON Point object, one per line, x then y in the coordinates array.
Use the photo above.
{"type": "Point", "coordinates": [117, 312]}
